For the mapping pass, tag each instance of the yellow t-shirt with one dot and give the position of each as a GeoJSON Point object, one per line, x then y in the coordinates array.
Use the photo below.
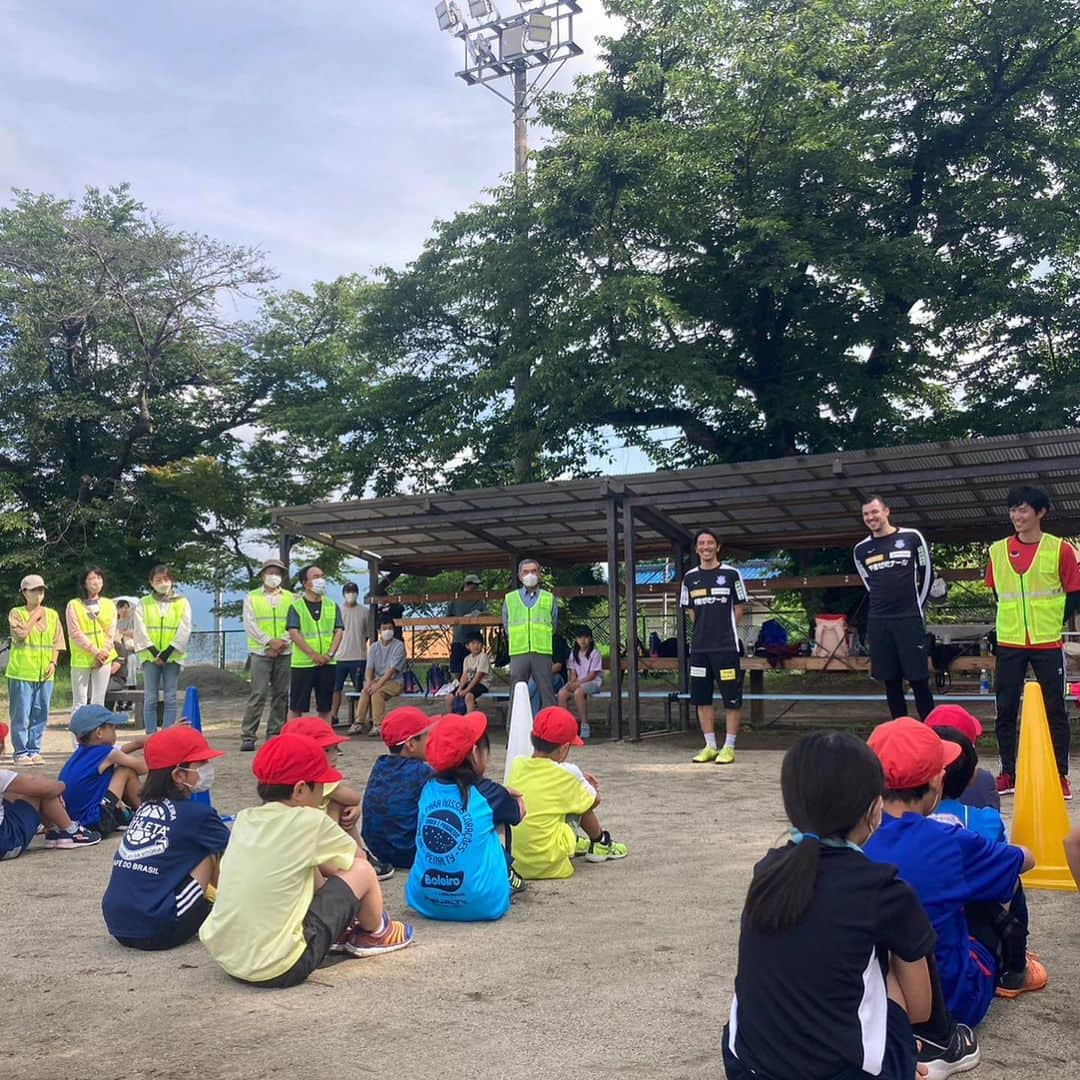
{"type": "Point", "coordinates": [544, 841]}
{"type": "Point", "coordinates": [327, 791]}
{"type": "Point", "coordinates": [255, 931]}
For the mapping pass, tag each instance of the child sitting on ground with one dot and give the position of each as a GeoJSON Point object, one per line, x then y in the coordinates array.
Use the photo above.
{"type": "Point", "coordinates": [393, 788]}
{"type": "Point", "coordinates": [102, 781]}
{"type": "Point", "coordinates": [165, 869]}
{"type": "Point", "coordinates": [293, 886]}
{"type": "Point", "coordinates": [27, 802]}
{"type": "Point", "coordinates": [475, 667]}
{"type": "Point", "coordinates": [463, 866]}
{"type": "Point", "coordinates": [558, 797]}
{"type": "Point", "coordinates": [964, 882]}
{"type": "Point", "coordinates": [340, 801]}
{"type": "Point", "coordinates": [982, 789]}
{"type": "Point", "coordinates": [984, 820]}
{"type": "Point", "coordinates": [832, 958]}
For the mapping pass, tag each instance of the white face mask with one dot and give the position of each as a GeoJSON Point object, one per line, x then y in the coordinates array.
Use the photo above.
{"type": "Point", "coordinates": [272, 581]}
{"type": "Point", "coordinates": [530, 581]}
{"type": "Point", "coordinates": [350, 600]}
{"type": "Point", "coordinates": [386, 635]}
{"type": "Point", "coordinates": [205, 773]}
{"type": "Point", "coordinates": [163, 588]}
{"type": "Point", "coordinates": [318, 585]}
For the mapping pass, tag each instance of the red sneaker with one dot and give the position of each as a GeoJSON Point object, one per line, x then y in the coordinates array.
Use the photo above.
{"type": "Point", "coordinates": [1066, 787]}
{"type": "Point", "coordinates": [1004, 783]}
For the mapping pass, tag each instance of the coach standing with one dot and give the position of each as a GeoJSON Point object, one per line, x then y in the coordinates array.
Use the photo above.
{"type": "Point", "coordinates": [1036, 580]}
{"type": "Point", "coordinates": [894, 565]}
{"type": "Point", "coordinates": [530, 615]}
{"type": "Point", "coordinates": [716, 597]}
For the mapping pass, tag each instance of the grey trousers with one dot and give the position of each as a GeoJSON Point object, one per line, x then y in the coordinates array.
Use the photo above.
{"type": "Point", "coordinates": [537, 667]}
{"type": "Point", "coordinates": [269, 679]}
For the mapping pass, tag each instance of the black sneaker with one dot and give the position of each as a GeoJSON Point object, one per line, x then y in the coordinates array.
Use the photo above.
{"type": "Point", "coordinates": [959, 1056]}
{"type": "Point", "coordinates": [383, 870]}
{"type": "Point", "coordinates": [517, 882]}
{"type": "Point", "coordinates": [247, 744]}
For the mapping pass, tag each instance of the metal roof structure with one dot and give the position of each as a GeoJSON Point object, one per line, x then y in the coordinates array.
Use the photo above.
{"type": "Point", "coordinates": [952, 491]}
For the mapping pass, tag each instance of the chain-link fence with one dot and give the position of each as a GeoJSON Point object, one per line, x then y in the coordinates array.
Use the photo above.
{"type": "Point", "coordinates": [222, 648]}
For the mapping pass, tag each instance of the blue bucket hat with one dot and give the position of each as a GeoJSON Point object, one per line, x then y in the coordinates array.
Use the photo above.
{"type": "Point", "coordinates": [87, 718]}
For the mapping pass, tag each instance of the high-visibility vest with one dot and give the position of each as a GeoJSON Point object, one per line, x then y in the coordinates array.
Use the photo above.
{"type": "Point", "coordinates": [318, 635]}
{"type": "Point", "coordinates": [28, 659]}
{"type": "Point", "coordinates": [161, 626]}
{"type": "Point", "coordinates": [530, 629]}
{"type": "Point", "coordinates": [1031, 605]}
{"type": "Point", "coordinates": [271, 619]}
{"type": "Point", "coordinates": [95, 629]}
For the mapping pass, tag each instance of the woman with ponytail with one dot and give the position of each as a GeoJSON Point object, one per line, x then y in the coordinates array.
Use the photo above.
{"type": "Point", "coordinates": [832, 952]}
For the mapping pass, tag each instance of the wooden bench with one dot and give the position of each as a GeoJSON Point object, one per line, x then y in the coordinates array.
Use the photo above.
{"type": "Point", "coordinates": [114, 698]}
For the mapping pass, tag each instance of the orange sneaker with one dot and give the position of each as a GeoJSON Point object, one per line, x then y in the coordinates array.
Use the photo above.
{"type": "Point", "coordinates": [1035, 977]}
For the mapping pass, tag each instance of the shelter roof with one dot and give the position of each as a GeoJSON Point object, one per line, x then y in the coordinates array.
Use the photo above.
{"type": "Point", "coordinates": [952, 491]}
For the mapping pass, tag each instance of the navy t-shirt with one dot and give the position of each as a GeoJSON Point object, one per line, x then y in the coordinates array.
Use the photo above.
{"type": "Point", "coordinates": [948, 867]}
{"type": "Point", "coordinates": [164, 842]}
{"type": "Point", "coordinates": [389, 808]}
{"type": "Point", "coordinates": [84, 786]}
{"type": "Point", "coordinates": [460, 871]}
{"type": "Point", "coordinates": [812, 1002]}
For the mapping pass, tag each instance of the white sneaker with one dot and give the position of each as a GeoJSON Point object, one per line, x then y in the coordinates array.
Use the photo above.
{"type": "Point", "coordinates": [586, 731]}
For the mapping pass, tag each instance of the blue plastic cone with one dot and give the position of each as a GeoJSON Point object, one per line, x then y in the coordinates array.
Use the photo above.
{"type": "Point", "coordinates": [193, 715]}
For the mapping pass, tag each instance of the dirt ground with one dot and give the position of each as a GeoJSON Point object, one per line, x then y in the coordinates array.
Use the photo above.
{"type": "Point", "coordinates": [625, 970]}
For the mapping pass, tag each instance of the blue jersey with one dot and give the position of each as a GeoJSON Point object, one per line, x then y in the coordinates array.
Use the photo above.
{"type": "Point", "coordinates": [461, 867]}
{"type": "Point", "coordinates": [982, 820]}
{"type": "Point", "coordinates": [164, 842]}
{"type": "Point", "coordinates": [84, 785]}
{"type": "Point", "coordinates": [948, 867]}
{"type": "Point", "coordinates": [389, 808]}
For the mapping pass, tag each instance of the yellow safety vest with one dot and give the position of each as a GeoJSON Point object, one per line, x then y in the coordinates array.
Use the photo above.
{"type": "Point", "coordinates": [28, 659]}
{"type": "Point", "coordinates": [95, 630]}
{"type": "Point", "coordinates": [1030, 606]}
{"type": "Point", "coordinates": [319, 635]}
{"type": "Point", "coordinates": [161, 627]}
{"type": "Point", "coordinates": [271, 619]}
{"type": "Point", "coordinates": [529, 628]}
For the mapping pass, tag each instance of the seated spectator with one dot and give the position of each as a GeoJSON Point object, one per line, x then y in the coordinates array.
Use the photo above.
{"type": "Point", "coordinates": [324, 895]}
{"type": "Point", "coordinates": [982, 790]}
{"type": "Point", "coordinates": [964, 882]}
{"type": "Point", "coordinates": [382, 680]}
{"type": "Point", "coordinates": [103, 781]}
{"type": "Point", "coordinates": [28, 802]}
{"type": "Point", "coordinates": [474, 669]}
{"type": "Point", "coordinates": [463, 868]}
{"type": "Point", "coordinates": [559, 798]}
{"type": "Point", "coordinates": [585, 668]}
{"type": "Point", "coordinates": [163, 875]}
{"type": "Point", "coordinates": [392, 793]}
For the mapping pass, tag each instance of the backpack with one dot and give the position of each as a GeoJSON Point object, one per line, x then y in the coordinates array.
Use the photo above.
{"type": "Point", "coordinates": [410, 684]}
{"type": "Point", "coordinates": [437, 678]}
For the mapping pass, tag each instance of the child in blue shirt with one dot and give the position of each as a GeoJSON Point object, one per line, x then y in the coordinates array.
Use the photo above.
{"type": "Point", "coordinates": [981, 790]}
{"type": "Point", "coordinates": [965, 882]}
{"type": "Point", "coordinates": [165, 869]}
{"type": "Point", "coordinates": [393, 788]}
{"type": "Point", "coordinates": [102, 781]}
{"type": "Point", "coordinates": [984, 820]}
{"type": "Point", "coordinates": [462, 870]}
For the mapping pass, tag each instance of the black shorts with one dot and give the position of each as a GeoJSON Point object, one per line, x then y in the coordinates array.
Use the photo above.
{"type": "Point", "coordinates": [709, 670]}
{"type": "Point", "coordinates": [18, 828]}
{"type": "Point", "coordinates": [304, 680]}
{"type": "Point", "coordinates": [898, 649]}
{"type": "Point", "coordinates": [181, 931]}
{"type": "Point", "coordinates": [349, 669]}
{"type": "Point", "coordinates": [331, 912]}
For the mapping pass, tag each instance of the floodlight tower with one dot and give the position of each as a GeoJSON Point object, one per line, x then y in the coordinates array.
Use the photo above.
{"type": "Point", "coordinates": [516, 46]}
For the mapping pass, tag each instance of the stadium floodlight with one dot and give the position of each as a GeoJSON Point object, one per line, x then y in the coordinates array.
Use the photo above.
{"type": "Point", "coordinates": [448, 14]}
{"type": "Point", "coordinates": [538, 31]}
{"type": "Point", "coordinates": [482, 9]}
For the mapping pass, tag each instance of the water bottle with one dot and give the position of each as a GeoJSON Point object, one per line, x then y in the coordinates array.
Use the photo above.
{"type": "Point", "coordinates": [984, 681]}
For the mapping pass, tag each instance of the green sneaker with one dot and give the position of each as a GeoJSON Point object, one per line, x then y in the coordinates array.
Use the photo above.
{"type": "Point", "coordinates": [605, 849]}
{"type": "Point", "coordinates": [582, 846]}
{"type": "Point", "coordinates": [708, 753]}
{"type": "Point", "coordinates": [726, 756]}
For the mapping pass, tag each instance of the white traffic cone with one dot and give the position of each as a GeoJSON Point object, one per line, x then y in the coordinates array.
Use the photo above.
{"type": "Point", "coordinates": [519, 730]}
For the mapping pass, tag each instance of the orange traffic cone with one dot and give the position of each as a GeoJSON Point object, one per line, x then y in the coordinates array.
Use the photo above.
{"type": "Point", "coordinates": [1040, 820]}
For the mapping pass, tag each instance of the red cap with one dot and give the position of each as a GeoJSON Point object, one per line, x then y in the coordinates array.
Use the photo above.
{"type": "Point", "coordinates": [177, 745]}
{"type": "Point", "coordinates": [911, 753]}
{"type": "Point", "coordinates": [314, 728]}
{"type": "Point", "coordinates": [452, 738]}
{"type": "Point", "coordinates": [955, 716]}
{"type": "Point", "coordinates": [405, 723]}
{"type": "Point", "coordinates": [556, 725]}
{"type": "Point", "coordinates": [292, 759]}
